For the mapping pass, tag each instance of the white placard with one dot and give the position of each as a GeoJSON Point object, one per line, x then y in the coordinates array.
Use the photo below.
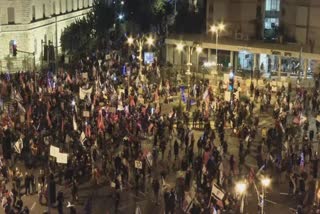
{"type": "Point", "coordinates": [82, 137]}
{"type": "Point", "coordinates": [138, 164]}
{"type": "Point", "coordinates": [62, 158]}
{"type": "Point", "coordinates": [227, 95]}
{"type": "Point", "coordinates": [54, 151]}
{"type": "Point", "coordinates": [84, 92]}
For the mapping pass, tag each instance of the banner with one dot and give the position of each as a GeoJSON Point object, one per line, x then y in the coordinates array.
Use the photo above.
{"type": "Point", "coordinates": [216, 192]}
{"type": "Point", "coordinates": [84, 92]}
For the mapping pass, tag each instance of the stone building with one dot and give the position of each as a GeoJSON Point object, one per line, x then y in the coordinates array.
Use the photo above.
{"type": "Point", "coordinates": [30, 24]}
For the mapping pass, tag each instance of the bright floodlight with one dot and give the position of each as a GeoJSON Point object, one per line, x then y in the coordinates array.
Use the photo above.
{"type": "Point", "coordinates": [213, 28]}
{"type": "Point", "coordinates": [73, 103]}
{"type": "Point", "coordinates": [241, 187]}
{"type": "Point", "coordinates": [150, 41]}
{"type": "Point", "coordinates": [180, 47]}
{"type": "Point", "coordinates": [266, 182]}
{"type": "Point", "coordinates": [130, 40]}
{"type": "Point", "coordinates": [221, 26]}
{"type": "Point", "coordinates": [199, 49]}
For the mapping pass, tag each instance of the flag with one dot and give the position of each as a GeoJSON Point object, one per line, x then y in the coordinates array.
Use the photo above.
{"type": "Point", "coordinates": [217, 192]}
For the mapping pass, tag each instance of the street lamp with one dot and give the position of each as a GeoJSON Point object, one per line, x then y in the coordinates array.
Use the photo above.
{"type": "Point", "coordinates": [194, 47]}
{"type": "Point", "coordinates": [265, 182]}
{"type": "Point", "coordinates": [216, 29]}
{"type": "Point", "coordinates": [140, 42]}
{"type": "Point", "coordinates": [241, 188]}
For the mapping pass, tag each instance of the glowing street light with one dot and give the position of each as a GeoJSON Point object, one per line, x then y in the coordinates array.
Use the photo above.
{"type": "Point", "coordinates": [266, 182]}
{"type": "Point", "coordinates": [216, 29]}
{"type": "Point", "coordinates": [120, 16]}
{"type": "Point", "coordinates": [150, 41]}
{"type": "Point", "coordinates": [130, 40]}
{"type": "Point", "coordinates": [180, 47]}
{"type": "Point", "coordinates": [140, 42]}
{"type": "Point", "coordinates": [241, 188]}
{"type": "Point", "coordinates": [198, 49]}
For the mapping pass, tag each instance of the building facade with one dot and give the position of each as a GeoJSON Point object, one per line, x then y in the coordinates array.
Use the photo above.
{"type": "Point", "coordinates": [276, 36]}
{"type": "Point", "coordinates": [28, 25]}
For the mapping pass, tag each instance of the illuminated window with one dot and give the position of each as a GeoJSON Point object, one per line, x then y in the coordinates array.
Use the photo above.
{"type": "Point", "coordinates": [270, 23]}
{"type": "Point", "coordinates": [272, 5]}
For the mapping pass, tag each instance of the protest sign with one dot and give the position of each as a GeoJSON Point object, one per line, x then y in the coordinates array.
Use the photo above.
{"type": "Point", "coordinates": [84, 92]}
{"type": "Point", "coordinates": [62, 158]}
{"type": "Point", "coordinates": [138, 164]}
{"type": "Point", "coordinates": [86, 114]}
{"type": "Point", "coordinates": [54, 151]}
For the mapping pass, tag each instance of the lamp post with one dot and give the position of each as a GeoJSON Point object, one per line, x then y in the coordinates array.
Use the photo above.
{"type": "Point", "coordinates": [216, 29]}
{"type": "Point", "coordinates": [140, 42]}
{"type": "Point", "coordinates": [265, 182]}
{"type": "Point", "coordinates": [241, 188]}
{"type": "Point", "coordinates": [195, 47]}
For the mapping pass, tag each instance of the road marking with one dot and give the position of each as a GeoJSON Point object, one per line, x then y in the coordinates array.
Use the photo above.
{"type": "Point", "coordinates": [284, 193]}
{"type": "Point", "coordinates": [272, 202]}
{"type": "Point", "coordinates": [33, 205]}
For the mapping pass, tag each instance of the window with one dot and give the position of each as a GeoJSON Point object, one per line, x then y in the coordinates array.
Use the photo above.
{"type": "Point", "coordinates": [72, 5]}
{"type": "Point", "coordinates": [60, 5]}
{"type": "Point", "coordinates": [12, 44]}
{"type": "Point", "coordinates": [66, 5]}
{"type": "Point", "coordinates": [44, 10]}
{"type": "Point", "coordinates": [33, 13]}
{"type": "Point", "coordinates": [270, 23]}
{"type": "Point", "coordinates": [11, 19]}
{"type": "Point", "coordinates": [78, 5]}
{"type": "Point", "coordinates": [272, 5]}
{"type": "Point", "coordinates": [54, 8]}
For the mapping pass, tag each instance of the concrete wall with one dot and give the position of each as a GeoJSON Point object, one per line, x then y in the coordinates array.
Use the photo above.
{"type": "Point", "coordinates": [238, 15]}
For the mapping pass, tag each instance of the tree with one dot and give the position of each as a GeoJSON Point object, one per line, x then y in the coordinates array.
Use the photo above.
{"type": "Point", "coordinates": [148, 14]}
{"type": "Point", "coordinates": [102, 17]}
{"type": "Point", "coordinates": [84, 33]}
{"type": "Point", "coordinates": [77, 36]}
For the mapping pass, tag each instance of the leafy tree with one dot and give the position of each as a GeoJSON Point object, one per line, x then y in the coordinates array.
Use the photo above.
{"type": "Point", "coordinates": [148, 14]}
{"type": "Point", "coordinates": [102, 17]}
{"type": "Point", "coordinates": [77, 36]}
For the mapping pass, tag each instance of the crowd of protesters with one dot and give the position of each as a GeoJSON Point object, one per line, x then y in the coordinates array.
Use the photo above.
{"type": "Point", "coordinates": [101, 109]}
